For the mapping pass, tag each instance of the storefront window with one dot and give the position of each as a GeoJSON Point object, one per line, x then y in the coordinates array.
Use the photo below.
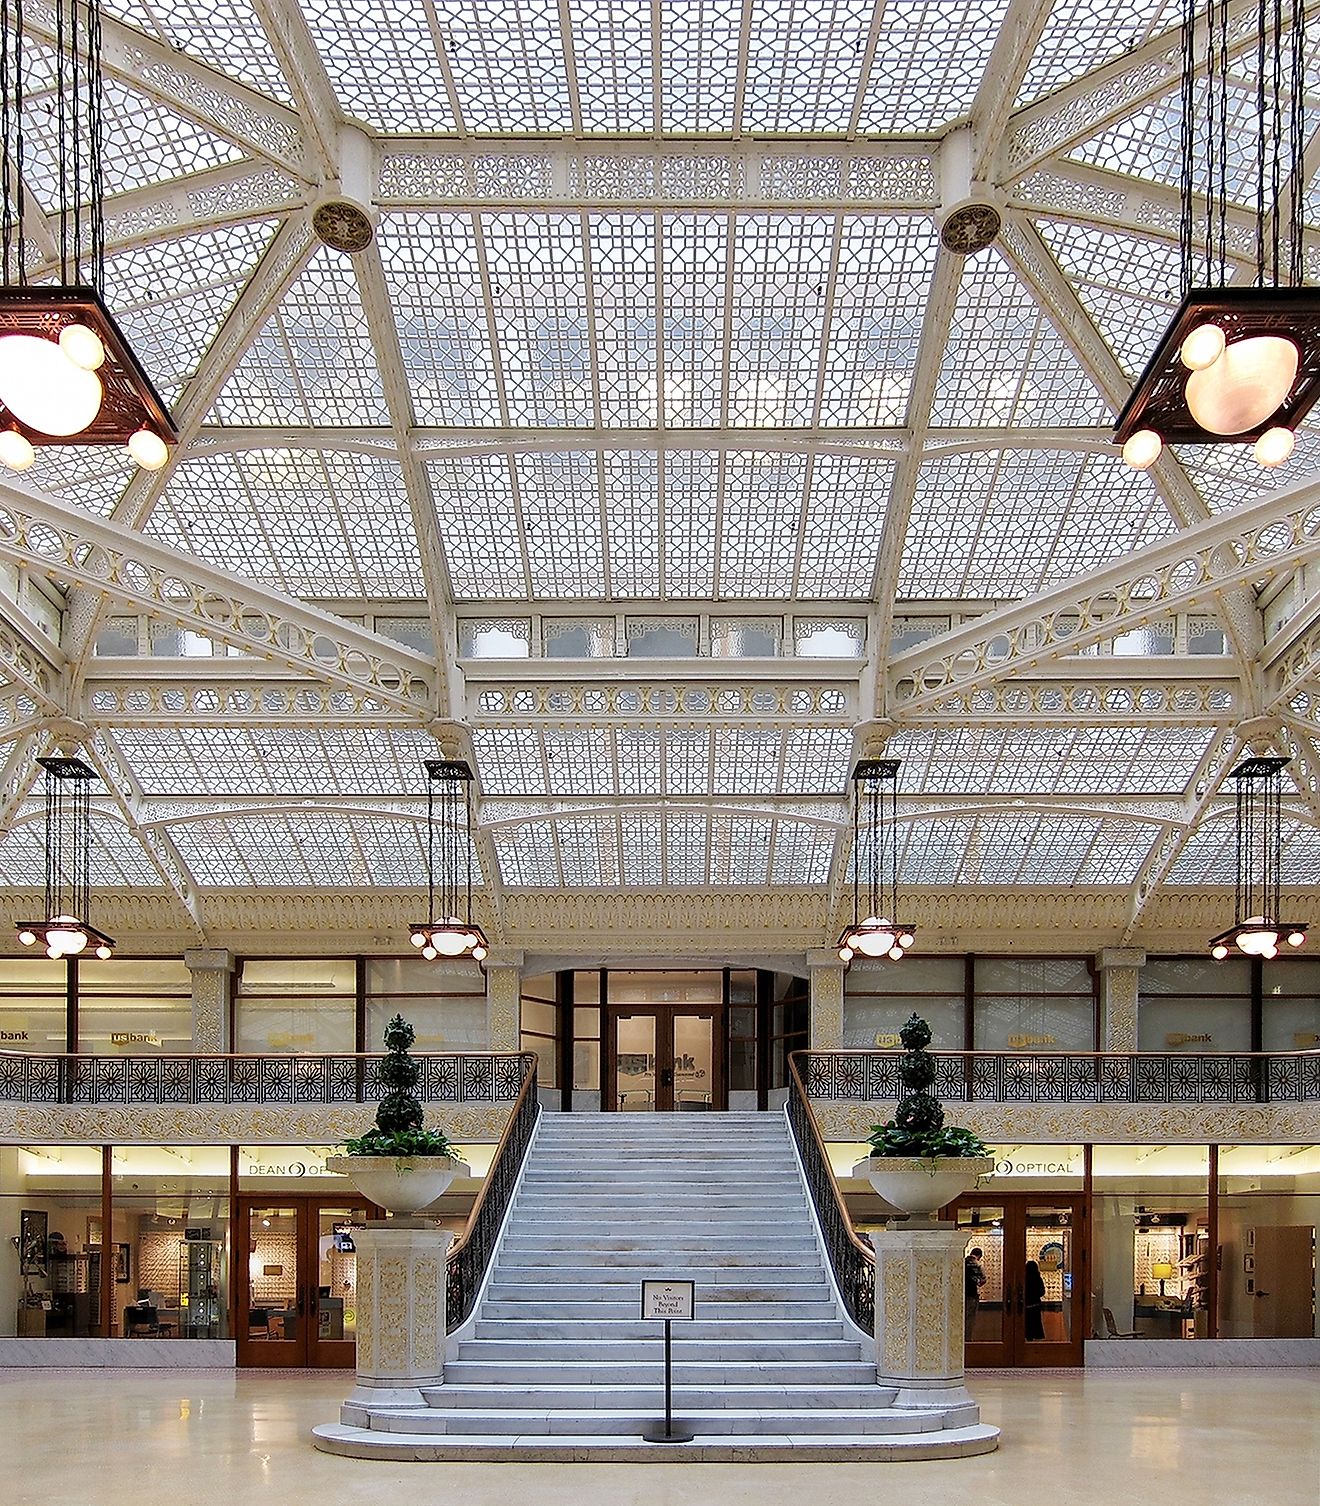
{"type": "Point", "coordinates": [51, 1238]}
{"type": "Point", "coordinates": [1269, 1214]}
{"type": "Point", "coordinates": [742, 1039]}
{"type": "Point", "coordinates": [1193, 1004]}
{"type": "Point", "coordinates": [879, 997]}
{"type": "Point", "coordinates": [789, 1024]}
{"type": "Point", "coordinates": [171, 1240]}
{"type": "Point", "coordinates": [1290, 1005]}
{"type": "Point", "coordinates": [1151, 1257]}
{"type": "Point", "coordinates": [586, 1040]}
{"type": "Point", "coordinates": [1033, 1004]}
{"type": "Point", "coordinates": [296, 1006]}
{"type": "Point", "coordinates": [33, 1012]}
{"type": "Point", "coordinates": [444, 1002]}
{"type": "Point", "coordinates": [134, 1006]}
{"type": "Point", "coordinates": [540, 1027]}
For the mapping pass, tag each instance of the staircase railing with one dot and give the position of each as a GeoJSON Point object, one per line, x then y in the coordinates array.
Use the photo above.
{"type": "Point", "coordinates": [470, 1256]}
{"type": "Point", "coordinates": [853, 1262]}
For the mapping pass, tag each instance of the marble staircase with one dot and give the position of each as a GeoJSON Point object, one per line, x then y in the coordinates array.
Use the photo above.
{"type": "Point", "coordinates": [559, 1365]}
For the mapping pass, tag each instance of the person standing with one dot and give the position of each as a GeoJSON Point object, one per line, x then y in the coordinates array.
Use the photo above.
{"type": "Point", "coordinates": [1034, 1299]}
{"type": "Point", "coordinates": [973, 1281]}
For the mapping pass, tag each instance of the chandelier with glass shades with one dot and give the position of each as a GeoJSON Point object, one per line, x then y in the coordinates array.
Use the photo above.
{"type": "Point", "coordinates": [67, 930]}
{"type": "Point", "coordinates": [449, 930]}
{"type": "Point", "coordinates": [67, 373]}
{"type": "Point", "coordinates": [1240, 362]}
{"type": "Point", "coordinates": [1257, 930]}
{"type": "Point", "coordinates": [876, 930]}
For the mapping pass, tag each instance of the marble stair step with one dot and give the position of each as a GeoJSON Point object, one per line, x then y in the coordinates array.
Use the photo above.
{"type": "Point", "coordinates": [590, 1398]}
{"type": "Point", "coordinates": [693, 1265]}
{"type": "Point", "coordinates": [548, 1365]}
{"type": "Point", "coordinates": [678, 1203]}
{"type": "Point", "coordinates": [599, 1283]}
{"type": "Point", "coordinates": [648, 1348]}
{"type": "Point", "coordinates": [780, 1335]}
{"type": "Point", "coordinates": [522, 1307]}
{"type": "Point", "coordinates": [655, 1238]}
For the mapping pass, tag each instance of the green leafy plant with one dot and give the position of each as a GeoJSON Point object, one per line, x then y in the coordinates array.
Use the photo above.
{"type": "Point", "coordinates": [918, 1128]}
{"type": "Point", "coordinates": [399, 1127]}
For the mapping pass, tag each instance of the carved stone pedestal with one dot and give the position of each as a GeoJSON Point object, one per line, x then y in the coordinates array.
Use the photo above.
{"type": "Point", "coordinates": [919, 1314]}
{"type": "Point", "coordinates": [401, 1310]}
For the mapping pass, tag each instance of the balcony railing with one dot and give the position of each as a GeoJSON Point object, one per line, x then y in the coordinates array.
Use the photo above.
{"type": "Point", "coordinates": [470, 1077]}
{"type": "Point", "coordinates": [1070, 1077]}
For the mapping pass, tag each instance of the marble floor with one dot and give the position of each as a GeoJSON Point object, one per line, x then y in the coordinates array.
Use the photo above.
{"type": "Point", "coordinates": [1071, 1438]}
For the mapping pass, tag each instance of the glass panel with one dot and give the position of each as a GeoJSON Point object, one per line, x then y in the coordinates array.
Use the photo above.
{"type": "Point", "coordinates": [694, 1057]}
{"type": "Point", "coordinates": [635, 1062]}
{"type": "Point", "coordinates": [665, 988]}
{"type": "Point", "coordinates": [172, 1240]}
{"type": "Point", "coordinates": [1269, 1216]}
{"type": "Point", "coordinates": [336, 1271]}
{"type": "Point", "coordinates": [983, 1280]}
{"type": "Point", "coordinates": [50, 1233]}
{"type": "Point", "coordinates": [1043, 1023]}
{"type": "Point", "coordinates": [297, 1005]}
{"type": "Point", "coordinates": [32, 1005]}
{"type": "Point", "coordinates": [586, 1046]}
{"type": "Point", "coordinates": [586, 987]}
{"type": "Point", "coordinates": [1047, 1286]}
{"type": "Point", "coordinates": [1152, 1253]}
{"type": "Point", "coordinates": [134, 1006]}
{"type": "Point", "coordinates": [874, 1020]}
{"type": "Point", "coordinates": [1194, 1025]}
{"type": "Point", "coordinates": [1291, 1007]}
{"type": "Point", "coordinates": [541, 1018]}
{"type": "Point", "coordinates": [1195, 977]}
{"type": "Point", "coordinates": [1032, 975]}
{"type": "Point", "coordinates": [444, 1002]}
{"type": "Point", "coordinates": [273, 1275]}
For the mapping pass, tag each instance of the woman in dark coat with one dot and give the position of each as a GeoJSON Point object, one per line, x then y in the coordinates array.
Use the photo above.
{"type": "Point", "coordinates": [1034, 1296]}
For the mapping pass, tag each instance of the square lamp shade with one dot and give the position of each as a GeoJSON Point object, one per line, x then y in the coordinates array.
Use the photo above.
{"type": "Point", "coordinates": [1162, 1270]}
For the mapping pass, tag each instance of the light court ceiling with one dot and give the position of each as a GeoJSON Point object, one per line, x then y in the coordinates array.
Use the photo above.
{"type": "Point", "coordinates": [655, 456]}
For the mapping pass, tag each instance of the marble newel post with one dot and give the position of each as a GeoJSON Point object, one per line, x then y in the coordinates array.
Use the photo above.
{"type": "Point", "coordinates": [919, 1313]}
{"type": "Point", "coordinates": [402, 1312]}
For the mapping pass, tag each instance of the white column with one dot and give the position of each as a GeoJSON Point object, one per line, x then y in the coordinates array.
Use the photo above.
{"type": "Point", "coordinates": [212, 987]}
{"type": "Point", "coordinates": [919, 1315]}
{"type": "Point", "coordinates": [401, 1310]}
{"type": "Point", "coordinates": [504, 998]}
{"type": "Point", "coordinates": [825, 997]}
{"type": "Point", "coordinates": [1120, 972]}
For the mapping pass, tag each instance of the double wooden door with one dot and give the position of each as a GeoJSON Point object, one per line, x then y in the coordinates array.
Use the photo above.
{"type": "Point", "coordinates": [1032, 1308]}
{"type": "Point", "coordinates": [660, 1057]}
{"type": "Point", "coordinates": [297, 1280]}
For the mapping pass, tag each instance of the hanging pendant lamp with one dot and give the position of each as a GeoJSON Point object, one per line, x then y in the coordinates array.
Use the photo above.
{"type": "Point", "coordinates": [876, 930]}
{"type": "Point", "coordinates": [449, 930]}
{"type": "Point", "coordinates": [67, 373]}
{"type": "Point", "coordinates": [67, 930]}
{"type": "Point", "coordinates": [1257, 930]}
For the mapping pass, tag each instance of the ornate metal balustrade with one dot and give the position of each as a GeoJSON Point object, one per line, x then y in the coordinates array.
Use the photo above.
{"type": "Point", "coordinates": [1070, 1077]}
{"type": "Point", "coordinates": [466, 1078]}
{"type": "Point", "coordinates": [470, 1257]}
{"type": "Point", "coordinates": [853, 1263]}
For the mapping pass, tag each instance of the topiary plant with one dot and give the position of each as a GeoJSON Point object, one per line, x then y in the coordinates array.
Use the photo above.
{"type": "Point", "coordinates": [917, 1128]}
{"type": "Point", "coordinates": [399, 1116]}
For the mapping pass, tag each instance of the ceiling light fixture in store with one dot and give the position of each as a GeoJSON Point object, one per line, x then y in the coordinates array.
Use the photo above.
{"type": "Point", "coordinates": [875, 930]}
{"type": "Point", "coordinates": [67, 931]}
{"type": "Point", "coordinates": [1238, 364]}
{"type": "Point", "coordinates": [67, 373]}
{"type": "Point", "coordinates": [1257, 930]}
{"type": "Point", "coordinates": [449, 883]}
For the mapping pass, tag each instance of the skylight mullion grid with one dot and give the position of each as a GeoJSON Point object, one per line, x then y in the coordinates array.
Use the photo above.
{"type": "Point", "coordinates": [698, 73]}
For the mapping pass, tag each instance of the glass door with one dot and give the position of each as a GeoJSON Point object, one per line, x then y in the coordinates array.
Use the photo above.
{"type": "Point", "coordinates": [663, 1059]}
{"type": "Point", "coordinates": [1023, 1285]}
{"type": "Point", "coordinates": [298, 1289]}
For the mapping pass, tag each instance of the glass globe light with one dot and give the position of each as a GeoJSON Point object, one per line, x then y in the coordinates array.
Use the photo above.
{"type": "Point", "coordinates": [429, 953]}
{"type": "Point", "coordinates": [1202, 347]}
{"type": "Point", "coordinates": [148, 449]}
{"type": "Point", "coordinates": [27, 938]}
{"type": "Point", "coordinates": [478, 953]}
{"type": "Point", "coordinates": [1296, 938]}
{"type": "Point", "coordinates": [1143, 449]}
{"type": "Point", "coordinates": [51, 953]}
{"type": "Point", "coordinates": [1248, 383]}
{"type": "Point", "coordinates": [82, 345]}
{"type": "Point", "coordinates": [66, 936]}
{"type": "Point", "coordinates": [845, 954]}
{"type": "Point", "coordinates": [905, 939]}
{"type": "Point", "coordinates": [43, 389]}
{"type": "Point", "coordinates": [1270, 953]}
{"type": "Point", "coordinates": [16, 450]}
{"type": "Point", "coordinates": [1274, 446]}
{"type": "Point", "coordinates": [1219, 952]}
{"type": "Point", "coordinates": [450, 940]}
{"type": "Point", "coordinates": [1257, 939]}
{"type": "Point", "coordinates": [895, 954]}
{"type": "Point", "coordinates": [418, 938]}
{"type": "Point", "coordinates": [103, 952]}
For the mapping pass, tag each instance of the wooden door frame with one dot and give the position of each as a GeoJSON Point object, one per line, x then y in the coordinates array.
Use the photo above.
{"type": "Point", "coordinates": [1014, 1351]}
{"type": "Point", "coordinates": [307, 1351]}
{"type": "Point", "coordinates": [664, 1016]}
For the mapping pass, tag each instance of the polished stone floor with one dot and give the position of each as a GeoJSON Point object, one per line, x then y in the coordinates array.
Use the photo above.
{"type": "Point", "coordinates": [129, 1438]}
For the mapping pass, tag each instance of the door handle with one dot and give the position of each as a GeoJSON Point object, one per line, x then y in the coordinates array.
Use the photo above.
{"type": "Point", "coordinates": [667, 1077]}
{"type": "Point", "coordinates": [299, 1308]}
{"type": "Point", "coordinates": [1022, 1299]}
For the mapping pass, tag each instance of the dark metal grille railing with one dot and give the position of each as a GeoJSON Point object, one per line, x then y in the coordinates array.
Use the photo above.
{"type": "Point", "coordinates": [466, 1078]}
{"type": "Point", "coordinates": [852, 1262]}
{"type": "Point", "coordinates": [470, 1256]}
{"type": "Point", "coordinates": [1066, 1077]}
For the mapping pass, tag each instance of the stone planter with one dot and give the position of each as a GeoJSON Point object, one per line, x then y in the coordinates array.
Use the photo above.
{"type": "Point", "coordinates": [402, 1185]}
{"type": "Point", "coordinates": [922, 1185]}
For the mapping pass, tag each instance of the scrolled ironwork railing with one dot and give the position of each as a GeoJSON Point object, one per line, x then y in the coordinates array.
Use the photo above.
{"type": "Point", "coordinates": [471, 1254]}
{"type": "Point", "coordinates": [1071, 1077]}
{"type": "Point", "coordinates": [852, 1262]}
{"type": "Point", "coordinates": [467, 1077]}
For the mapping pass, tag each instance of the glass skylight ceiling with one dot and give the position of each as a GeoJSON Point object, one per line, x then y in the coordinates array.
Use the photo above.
{"type": "Point", "coordinates": [567, 386]}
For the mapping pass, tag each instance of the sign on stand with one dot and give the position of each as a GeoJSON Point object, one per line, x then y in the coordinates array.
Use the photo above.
{"type": "Point", "coordinates": [670, 1302]}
